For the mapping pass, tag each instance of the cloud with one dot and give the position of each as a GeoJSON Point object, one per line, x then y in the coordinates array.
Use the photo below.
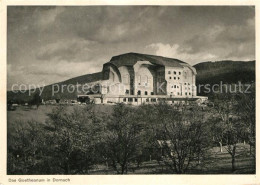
{"type": "Point", "coordinates": [42, 74]}
{"type": "Point", "coordinates": [226, 42]}
{"type": "Point", "coordinates": [42, 39]}
{"type": "Point", "coordinates": [219, 42]}
{"type": "Point", "coordinates": [174, 51]}
{"type": "Point", "coordinates": [47, 17]}
{"type": "Point", "coordinates": [69, 50]}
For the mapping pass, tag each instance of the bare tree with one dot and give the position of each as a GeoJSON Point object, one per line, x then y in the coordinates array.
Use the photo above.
{"type": "Point", "coordinates": [73, 137]}
{"type": "Point", "coordinates": [122, 140]}
{"type": "Point", "coordinates": [228, 128]}
{"type": "Point", "coordinates": [182, 134]}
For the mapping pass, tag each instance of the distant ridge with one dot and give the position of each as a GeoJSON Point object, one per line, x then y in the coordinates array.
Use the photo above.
{"type": "Point", "coordinates": [207, 73]}
{"type": "Point", "coordinates": [226, 71]}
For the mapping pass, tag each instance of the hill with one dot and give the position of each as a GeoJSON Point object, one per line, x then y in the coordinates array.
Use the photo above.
{"type": "Point", "coordinates": [47, 91]}
{"type": "Point", "coordinates": [207, 73]}
{"type": "Point", "coordinates": [230, 72]}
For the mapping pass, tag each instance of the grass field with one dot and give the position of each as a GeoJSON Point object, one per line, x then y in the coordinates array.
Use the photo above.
{"type": "Point", "coordinates": [216, 163]}
{"type": "Point", "coordinates": [23, 113]}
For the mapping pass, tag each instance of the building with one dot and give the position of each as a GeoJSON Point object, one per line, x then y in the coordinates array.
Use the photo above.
{"type": "Point", "coordinates": [139, 78]}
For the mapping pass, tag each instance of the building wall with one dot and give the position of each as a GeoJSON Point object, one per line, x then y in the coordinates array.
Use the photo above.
{"type": "Point", "coordinates": [126, 76]}
{"type": "Point", "coordinates": [180, 81]}
{"type": "Point", "coordinates": [188, 82]}
{"type": "Point", "coordinates": [144, 78]}
{"type": "Point", "coordinates": [174, 78]}
{"type": "Point", "coordinates": [161, 85]}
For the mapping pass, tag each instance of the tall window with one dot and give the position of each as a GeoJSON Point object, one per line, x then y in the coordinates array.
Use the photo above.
{"type": "Point", "coordinates": [112, 76]}
{"type": "Point", "coordinates": [185, 74]}
{"type": "Point", "coordinates": [126, 79]}
{"type": "Point", "coordinates": [146, 79]}
{"type": "Point", "coordinates": [139, 80]}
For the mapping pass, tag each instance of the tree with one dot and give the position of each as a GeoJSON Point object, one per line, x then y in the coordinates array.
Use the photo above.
{"type": "Point", "coordinates": [73, 138]}
{"type": "Point", "coordinates": [26, 149]}
{"type": "Point", "coordinates": [37, 100]}
{"type": "Point", "coordinates": [123, 138]}
{"type": "Point", "coordinates": [246, 110]}
{"type": "Point", "coordinates": [228, 128]}
{"type": "Point", "coordinates": [181, 133]}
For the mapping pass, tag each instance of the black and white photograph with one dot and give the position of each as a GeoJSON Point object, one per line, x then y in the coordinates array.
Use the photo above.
{"type": "Point", "coordinates": [131, 89]}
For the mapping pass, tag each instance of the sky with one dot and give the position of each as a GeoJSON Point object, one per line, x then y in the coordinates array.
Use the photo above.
{"type": "Point", "coordinates": [51, 44]}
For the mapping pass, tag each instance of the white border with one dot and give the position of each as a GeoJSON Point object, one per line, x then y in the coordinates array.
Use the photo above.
{"type": "Point", "coordinates": [121, 179]}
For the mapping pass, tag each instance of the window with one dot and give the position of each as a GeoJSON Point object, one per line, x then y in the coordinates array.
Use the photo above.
{"type": "Point", "coordinates": [146, 79]}
{"type": "Point", "coordinates": [169, 72]}
{"type": "Point", "coordinates": [139, 79]}
{"type": "Point", "coordinates": [189, 94]}
{"type": "Point", "coordinates": [170, 77]}
{"type": "Point", "coordinates": [127, 92]}
{"type": "Point", "coordinates": [174, 78]}
{"type": "Point", "coordinates": [153, 99]}
{"type": "Point", "coordinates": [130, 99]}
{"type": "Point", "coordinates": [139, 92]}
{"type": "Point", "coordinates": [178, 78]}
{"type": "Point", "coordinates": [178, 93]}
{"type": "Point", "coordinates": [185, 93]}
{"type": "Point", "coordinates": [185, 74]}
{"type": "Point", "coordinates": [124, 100]}
{"type": "Point", "coordinates": [132, 92]}
{"type": "Point", "coordinates": [185, 83]}
{"type": "Point", "coordinates": [179, 73]}
{"type": "Point", "coordinates": [174, 86]}
{"type": "Point", "coordinates": [147, 99]}
{"type": "Point", "coordinates": [112, 76]}
{"type": "Point", "coordinates": [145, 93]}
{"type": "Point", "coordinates": [152, 93]}
{"type": "Point", "coordinates": [175, 72]}
{"type": "Point", "coordinates": [126, 79]}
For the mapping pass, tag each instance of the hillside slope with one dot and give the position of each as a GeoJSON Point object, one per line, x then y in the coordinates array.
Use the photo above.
{"type": "Point", "coordinates": [227, 72]}
{"type": "Point", "coordinates": [47, 91]}
{"type": "Point", "coordinates": [207, 73]}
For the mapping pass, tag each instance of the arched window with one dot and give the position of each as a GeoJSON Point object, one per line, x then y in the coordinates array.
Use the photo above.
{"type": "Point", "coordinates": [139, 79]}
{"type": "Point", "coordinates": [146, 79]}
{"type": "Point", "coordinates": [126, 79]}
{"type": "Point", "coordinates": [112, 76]}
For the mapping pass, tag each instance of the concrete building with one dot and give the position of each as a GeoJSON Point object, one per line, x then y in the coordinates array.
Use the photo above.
{"type": "Point", "coordinates": [139, 78]}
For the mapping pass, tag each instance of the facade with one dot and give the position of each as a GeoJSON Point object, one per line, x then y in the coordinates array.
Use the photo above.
{"type": "Point", "coordinates": [137, 78]}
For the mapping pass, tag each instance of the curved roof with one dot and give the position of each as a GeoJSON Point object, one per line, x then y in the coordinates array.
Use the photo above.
{"type": "Point", "coordinates": [130, 59]}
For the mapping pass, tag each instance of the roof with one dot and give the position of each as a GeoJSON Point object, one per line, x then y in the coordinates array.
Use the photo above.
{"type": "Point", "coordinates": [130, 59]}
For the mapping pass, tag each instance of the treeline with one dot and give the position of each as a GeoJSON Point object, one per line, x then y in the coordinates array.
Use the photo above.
{"type": "Point", "coordinates": [178, 137]}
